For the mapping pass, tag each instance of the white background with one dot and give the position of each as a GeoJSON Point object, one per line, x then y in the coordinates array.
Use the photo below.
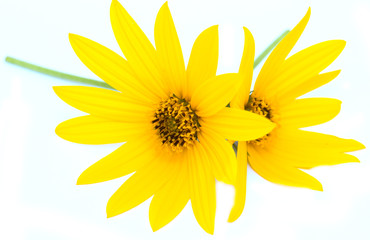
{"type": "Point", "coordinates": [38, 170]}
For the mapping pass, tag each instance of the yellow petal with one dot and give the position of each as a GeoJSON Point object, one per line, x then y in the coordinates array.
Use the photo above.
{"type": "Point", "coordinates": [93, 130]}
{"type": "Point", "coordinates": [308, 112]}
{"type": "Point", "coordinates": [240, 184]}
{"type": "Point", "coordinates": [214, 94]}
{"type": "Point", "coordinates": [142, 185]}
{"type": "Point", "coordinates": [268, 166]}
{"type": "Point", "coordinates": [238, 124]}
{"type": "Point", "coordinates": [317, 141]}
{"type": "Point", "coordinates": [110, 67]}
{"type": "Point", "coordinates": [169, 201]}
{"type": "Point", "coordinates": [306, 86]}
{"type": "Point", "coordinates": [202, 189]}
{"type": "Point", "coordinates": [169, 51]}
{"type": "Point", "coordinates": [104, 103]}
{"type": "Point", "coordinates": [221, 155]}
{"type": "Point", "coordinates": [246, 71]}
{"type": "Point", "coordinates": [128, 158]}
{"type": "Point", "coordinates": [304, 65]}
{"type": "Point", "coordinates": [203, 60]}
{"type": "Point", "coordinates": [305, 149]}
{"type": "Point", "coordinates": [278, 55]}
{"type": "Point", "coordinates": [137, 48]}
{"type": "Point", "coordinates": [306, 158]}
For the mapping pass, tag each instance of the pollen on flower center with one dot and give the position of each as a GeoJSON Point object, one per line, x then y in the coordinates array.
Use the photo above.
{"type": "Point", "coordinates": [259, 106]}
{"type": "Point", "coordinates": [176, 123]}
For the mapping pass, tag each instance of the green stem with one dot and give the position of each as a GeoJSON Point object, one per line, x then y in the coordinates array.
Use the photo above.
{"type": "Point", "coordinates": [57, 74]}
{"type": "Point", "coordinates": [97, 83]}
{"type": "Point", "coordinates": [269, 49]}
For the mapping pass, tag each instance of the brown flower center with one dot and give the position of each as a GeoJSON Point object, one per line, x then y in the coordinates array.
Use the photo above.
{"type": "Point", "coordinates": [261, 107]}
{"type": "Point", "coordinates": [176, 123]}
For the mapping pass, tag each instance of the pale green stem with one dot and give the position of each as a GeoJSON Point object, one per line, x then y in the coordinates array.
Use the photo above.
{"type": "Point", "coordinates": [57, 74]}
{"type": "Point", "coordinates": [269, 49]}
{"type": "Point", "coordinates": [97, 83]}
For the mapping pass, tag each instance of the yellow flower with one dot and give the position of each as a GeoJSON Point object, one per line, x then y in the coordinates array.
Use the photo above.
{"type": "Point", "coordinates": [173, 120]}
{"type": "Point", "coordinates": [278, 155]}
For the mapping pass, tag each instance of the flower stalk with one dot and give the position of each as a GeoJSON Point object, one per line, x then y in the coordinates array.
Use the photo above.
{"type": "Point", "coordinates": [56, 74]}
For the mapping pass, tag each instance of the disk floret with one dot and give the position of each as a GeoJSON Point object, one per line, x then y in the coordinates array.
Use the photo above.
{"type": "Point", "coordinates": [261, 107]}
{"type": "Point", "coordinates": [176, 123]}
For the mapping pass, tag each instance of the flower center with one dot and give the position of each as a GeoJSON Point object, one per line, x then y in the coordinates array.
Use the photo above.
{"type": "Point", "coordinates": [176, 123]}
{"type": "Point", "coordinates": [259, 106]}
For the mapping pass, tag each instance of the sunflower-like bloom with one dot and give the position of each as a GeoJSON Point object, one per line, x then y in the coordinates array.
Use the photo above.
{"type": "Point", "coordinates": [173, 120]}
{"type": "Point", "coordinates": [278, 155]}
